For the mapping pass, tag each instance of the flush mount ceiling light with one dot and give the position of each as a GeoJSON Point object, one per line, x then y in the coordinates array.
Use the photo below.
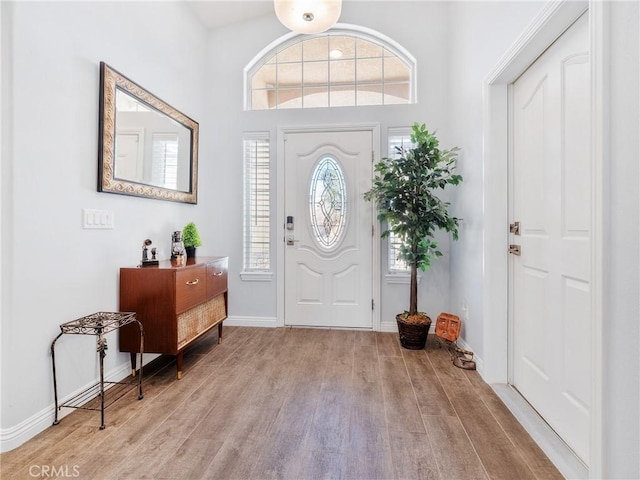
{"type": "Point", "coordinates": [308, 16]}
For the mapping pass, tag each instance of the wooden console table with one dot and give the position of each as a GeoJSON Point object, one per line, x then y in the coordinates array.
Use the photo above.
{"type": "Point", "coordinates": [176, 303]}
{"type": "Point", "coordinates": [98, 324]}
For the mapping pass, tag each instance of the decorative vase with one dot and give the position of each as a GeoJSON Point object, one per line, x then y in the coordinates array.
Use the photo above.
{"type": "Point", "coordinates": [191, 252]}
{"type": "Point", "coordinates": [413, 336]}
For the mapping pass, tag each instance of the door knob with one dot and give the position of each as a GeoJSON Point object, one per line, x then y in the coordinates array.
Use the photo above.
{"type": "Point", "coordinates": [291, 240]}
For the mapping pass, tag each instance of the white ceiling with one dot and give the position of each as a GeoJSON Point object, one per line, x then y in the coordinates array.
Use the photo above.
{"type": "Point", "coordinates": [219, 13]}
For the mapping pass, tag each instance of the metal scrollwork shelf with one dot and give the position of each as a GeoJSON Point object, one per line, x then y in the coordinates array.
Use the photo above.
{"type": "Point", "coordinates": [98, 324]}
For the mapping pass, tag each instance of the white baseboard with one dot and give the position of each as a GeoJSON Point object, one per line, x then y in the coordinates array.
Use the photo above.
{"type": "Point", "coordinates": [551, 444]}
{"type": "Point", "coordinates": [235, 321]}
{"type": "Point", "coordinates": [391, 327]}
{"type": "Point", "coordinates": [15, 436]}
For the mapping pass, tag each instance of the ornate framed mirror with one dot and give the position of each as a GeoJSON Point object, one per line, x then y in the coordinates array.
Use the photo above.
{"type": "Point", "coordinates": [147, 148]}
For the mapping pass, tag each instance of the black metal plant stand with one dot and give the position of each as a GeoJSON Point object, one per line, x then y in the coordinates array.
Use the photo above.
{"type": "Point", "coordinates": [98, 324]}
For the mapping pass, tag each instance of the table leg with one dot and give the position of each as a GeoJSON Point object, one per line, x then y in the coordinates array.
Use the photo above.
{"type": "Point", "coordinates": [102, 346]}
{"type": "Point", "coordinates": [55, 383]}
{"type": "Point", "coordinates": [132, 356]}
{"type": "Point", "coordinates": [179, 364]}
{"type": "Point", "coordinates": [140, 395]}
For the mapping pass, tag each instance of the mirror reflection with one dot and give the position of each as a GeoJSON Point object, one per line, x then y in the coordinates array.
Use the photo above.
{"type": "Point", "coordinates": [148, 148]}
{"type": "Point", "coordinates": [151, 148]}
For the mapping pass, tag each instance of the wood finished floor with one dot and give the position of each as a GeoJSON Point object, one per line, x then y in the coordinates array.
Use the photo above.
{"type": "Point", "coordinates": [294, 404]}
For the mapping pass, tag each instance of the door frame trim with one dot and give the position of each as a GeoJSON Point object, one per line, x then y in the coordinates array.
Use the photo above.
{"type": "Point", "coordinates": [548, 25]}
{"type": "Point", "coordinates": [374, 128]}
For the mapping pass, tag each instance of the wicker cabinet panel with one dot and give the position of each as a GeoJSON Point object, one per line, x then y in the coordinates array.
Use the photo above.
{"type": "Point", "coordinates": [199, 319]}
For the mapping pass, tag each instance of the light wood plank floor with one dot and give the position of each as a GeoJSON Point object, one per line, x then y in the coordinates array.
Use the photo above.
{"type": "Point", "coordinates": [294, 404]}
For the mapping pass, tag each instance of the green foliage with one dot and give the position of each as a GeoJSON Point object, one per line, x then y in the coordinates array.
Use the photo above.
{"type": "Point", "coordinates": [190, 235]}
{"type": "Point", "coordinates": [404, 192]}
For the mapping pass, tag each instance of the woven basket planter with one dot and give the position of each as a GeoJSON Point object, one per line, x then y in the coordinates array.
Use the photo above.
{"type": "Point", "coordinates": [413, 336]}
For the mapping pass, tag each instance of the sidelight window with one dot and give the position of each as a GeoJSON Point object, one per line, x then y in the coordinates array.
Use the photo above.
{"type": "Point", "coordinates": [257, 254]}
{"type": "Point", "coordinates": [164, 160]}
{"type": "Point", "coordinates": [398, 138]}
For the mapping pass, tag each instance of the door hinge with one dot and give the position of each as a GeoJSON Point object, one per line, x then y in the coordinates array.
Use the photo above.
{"type": "Point", "coordinates": [373, 230]}
{"type": "Point", "coordinates": [373, 156]}
{"type": "Point", "coordinates": [373, 304]}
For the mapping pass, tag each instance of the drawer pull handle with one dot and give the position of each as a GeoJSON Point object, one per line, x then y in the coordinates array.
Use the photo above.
{"type": "Point", "coordinates": [194, 282]}
{"type": "Point", "coordinates": [218, 274]}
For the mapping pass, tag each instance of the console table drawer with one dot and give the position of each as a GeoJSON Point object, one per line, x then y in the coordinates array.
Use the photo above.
{"type": "Point", "coordinates": [191, 287]}
{"type": "Point", "coordinates": [216, 278]}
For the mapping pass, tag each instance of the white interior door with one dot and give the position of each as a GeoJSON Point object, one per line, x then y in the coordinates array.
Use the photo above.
{"type": "Point", "coordinates": [130, 161]}
{"type": "Point", "coordinates": [551, 283]}
{"type": "Point", "coordinates": [328, 251]}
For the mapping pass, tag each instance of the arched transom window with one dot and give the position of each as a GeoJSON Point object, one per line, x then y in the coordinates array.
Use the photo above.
{"type": "Point", "coordinates": [335, 69]}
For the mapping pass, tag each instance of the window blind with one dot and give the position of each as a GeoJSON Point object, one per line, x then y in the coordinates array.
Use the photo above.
{"type": "Point", "coordinates": [164, 160]}
{"type": "Point", "coordinates": [256, 203]}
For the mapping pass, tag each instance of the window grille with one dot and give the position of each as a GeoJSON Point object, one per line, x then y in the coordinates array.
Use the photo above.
{"type": "Point", "coordinates": [337, 68]}
{"type": "Point", "coordinates": [397, 138]}
{"type": "Point", "coordinates": [256, 203]}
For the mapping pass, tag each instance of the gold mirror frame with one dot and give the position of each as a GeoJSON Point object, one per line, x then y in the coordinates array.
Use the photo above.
{"type": "Point", "coordinates": [110, 81]}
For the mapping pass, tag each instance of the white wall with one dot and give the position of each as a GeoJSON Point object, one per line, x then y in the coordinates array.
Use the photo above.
{"type": "Point", "coordinates": [253, 301]}
{"type": "Point", "coordinates": [53, 271]}
{"type": "Point", "coordinates": [621, 419]}
{"type": "Point", "coordinates": [480, 33]}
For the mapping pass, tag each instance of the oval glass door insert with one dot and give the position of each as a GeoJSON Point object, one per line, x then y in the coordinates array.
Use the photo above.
{"type": "Point", "coordinates": [328, 203]}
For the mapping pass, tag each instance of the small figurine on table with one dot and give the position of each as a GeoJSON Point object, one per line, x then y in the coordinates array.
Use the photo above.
{"type": "Point", "coordinates": [145, 244]}
{"type": "Point", "coordinates": [145, 255]}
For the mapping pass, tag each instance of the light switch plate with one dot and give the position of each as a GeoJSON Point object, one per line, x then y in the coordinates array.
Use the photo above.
{"type": "Point", "coordinates": [97, 219]}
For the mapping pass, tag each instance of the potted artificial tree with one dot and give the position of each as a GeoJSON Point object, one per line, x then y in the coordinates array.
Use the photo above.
{"type": "Point", "coordinates": [191, 239]}
{"type": "Point", "coordinates": [404, 191]}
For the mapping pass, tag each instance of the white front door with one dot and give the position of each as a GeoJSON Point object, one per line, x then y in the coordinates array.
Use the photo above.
{"type": "Point", "coordinates": [328, 233]}
{"type": "Point", "coordinates": [551, 199]}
